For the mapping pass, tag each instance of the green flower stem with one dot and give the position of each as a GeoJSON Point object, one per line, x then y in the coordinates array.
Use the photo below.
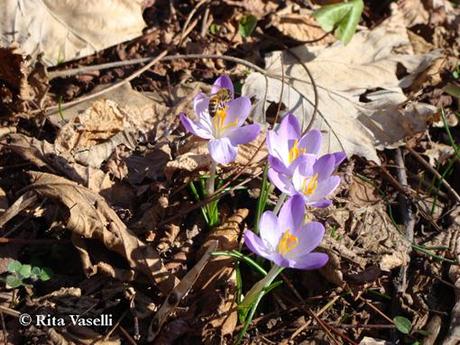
{"type": "Point", "coordinates": [260, 286]}
{"type": "Point", "coordinates": [255, 295]}
{"type": "Point", "coordinates": [212, 179]}
{"type": "Point", "coordinates": [280, 203]}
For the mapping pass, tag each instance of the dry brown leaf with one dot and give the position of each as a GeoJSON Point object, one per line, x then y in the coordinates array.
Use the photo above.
{"type": "Point", "coordinates": [363, 193]}
{"type": "Point", "coordinates": [4, 203]}
{"type": "Point", "coordinates": [46, 155]}
{"type": "Point", "coordinates": [298, 23]}
{"type": "Point", "coordinates": [94, 131]}
{"type": "Point", "coordinates": [413, 12]}
{"type": "Point", "coordinates": [91, 217]}
{"type": "Point", "coordinates": [80, 335]}
{"type": "Point", "coordinates": [258, 8]}
{"type": "Point", "coordinates": [63, 29]}
{"type": "Point", "coordinates": [26, 81]}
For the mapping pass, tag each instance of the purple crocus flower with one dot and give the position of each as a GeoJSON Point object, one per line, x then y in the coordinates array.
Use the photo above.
{"type": "Point", "coordinates": [312, 179]}
{"type": "Point", "coordinates": [286, 240]}
{"type": "Point", "coordinates": [225, 130]}
{"type": "Point", "coordinates": [287, 146]}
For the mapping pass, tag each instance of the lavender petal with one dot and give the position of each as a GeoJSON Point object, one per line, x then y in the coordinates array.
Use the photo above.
{"type": "Point", "coordinates": [292, 214]}
{"type": "Point", "coordinates": [222, 151]}
{"type": "Point", "coordinates": [324, 166]}
{"type": "Point", "coordinates": [200, 104]}
{"type": "Point", "coordinates": [281, 181]}
{"type": "Point", "coordinates": [243, 135]}
{"type": "Point", "coordinates": [310, 236]}
{"type": "Point", "coordinates": [269, 230]}
{"type": "Point", "coordinates": [238, 111]}
{"type": "Point", "coordinates": [256, 245]}
{"type": "Point", "coordinates": [195, 127]}
{"type": "Point", "coordinates": [311, 142]}
{"type": "Point", "coordinates": [310, 261]}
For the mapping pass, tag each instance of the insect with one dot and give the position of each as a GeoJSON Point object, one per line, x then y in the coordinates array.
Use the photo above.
{"type": "Point", "coordinates": [218, 100]}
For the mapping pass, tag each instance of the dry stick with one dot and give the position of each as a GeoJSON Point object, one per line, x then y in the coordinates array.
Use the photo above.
{"type": "Point", "coordinates": [427, 166]}
{"type": "Point", "coordinates": [408, 218]}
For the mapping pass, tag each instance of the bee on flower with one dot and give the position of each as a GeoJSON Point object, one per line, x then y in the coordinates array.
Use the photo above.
{"type": "Point", "coordinates": [220, 119]}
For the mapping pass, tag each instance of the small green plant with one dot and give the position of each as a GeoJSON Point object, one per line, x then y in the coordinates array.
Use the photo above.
{"type": "Point", "coordinates": [214, 29]}
{"type": "Point", "coordinates": [341, 18]}
{"type": "Point", "coordinates": [21, 272]}
{"type": "Point", "coordinates": [247, 25]}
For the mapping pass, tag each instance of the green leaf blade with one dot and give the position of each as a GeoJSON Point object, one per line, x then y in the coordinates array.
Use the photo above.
{"type": "Point", "coordinates": [343, 17]}
{"type": "Point", "coordinates": [402, 324]}
{"type": "Point", "coordinates": [14, 266]}
{"type": "Point", "coordinates": [247, 25]}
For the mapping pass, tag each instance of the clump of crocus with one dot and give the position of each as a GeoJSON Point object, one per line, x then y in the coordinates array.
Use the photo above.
{"type": "Point", "coordinates": [220, 119]}
{"type": "Point", "coordinates": [295, 167]}
{"type": "Point", "coordinates": [287, 240]}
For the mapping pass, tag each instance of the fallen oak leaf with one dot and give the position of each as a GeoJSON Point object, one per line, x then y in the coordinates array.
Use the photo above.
{"type": "Point", "coordinates": [361, 103]}
{"type": "Point", "coordinates": [91, 217]}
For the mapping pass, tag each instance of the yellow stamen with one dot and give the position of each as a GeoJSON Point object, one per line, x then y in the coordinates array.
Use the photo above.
{"type": "Point", "coordinates": [219, 121]}
{"type": "Point", "coordinates": [295, 152]}
{"type": "Point", "coordinates": [310, 187]}
{"type": "Point", "coordinates": [287, 243]}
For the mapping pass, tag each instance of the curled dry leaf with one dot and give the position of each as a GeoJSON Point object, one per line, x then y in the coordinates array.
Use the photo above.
{"type": "Point", "coordinates": [361, 105]}
{"type": "Point", "coordinates": [64, 30]}
{"type": "Point", "coordinates": [26, 81]}
{"type": "Point", "coordinates": [45, 155]}
{"type": "Point", "coordinates": [298, 23]}
{"type": "Point", "coordinates": [96, 129]}
{"type": "Point", "coordinates": [91, 217]}
{"type": "Point", "coordinates": [80, 335]}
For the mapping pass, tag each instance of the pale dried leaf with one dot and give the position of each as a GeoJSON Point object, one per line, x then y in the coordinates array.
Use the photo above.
{"type": "Point", "coordinates": [298, 23]}
{"type": "Point", "coordinates": [93, 133]}
{"type": "Point", "coordinates": [373, 341]}
{"type": "Point", "coordinates": [361, 103]}
{"type": "Point", "coordinates": [413, 12]}
{"type": "Point", "coordinates": [65, 30]}
{"type": "Point", "coordinates": [91, 217]}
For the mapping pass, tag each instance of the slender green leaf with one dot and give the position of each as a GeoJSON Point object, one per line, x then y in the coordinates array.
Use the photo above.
{"type": "Point", "coordinates": [247, 25]}
{"type": "Point", "coordinates": [402, 324]}
{"type": "Point", "coordinates": [343, 18]}
{"type": "Point", "coordinates": [452, 89]}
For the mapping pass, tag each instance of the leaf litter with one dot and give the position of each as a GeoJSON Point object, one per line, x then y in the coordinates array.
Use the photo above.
{"type": "Point", "coordinates": [106, 181]}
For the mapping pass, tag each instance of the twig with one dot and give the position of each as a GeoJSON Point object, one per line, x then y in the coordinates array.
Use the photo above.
{"type": "Point", "coordinates": [427, 166]}
{"type": "Point", "coordinates": [408, 219]}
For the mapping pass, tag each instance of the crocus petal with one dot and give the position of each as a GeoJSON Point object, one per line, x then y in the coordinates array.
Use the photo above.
{"type": "Point", "coordinates": [256, 245]}
{"type": "Point", "coordinates": [195, 127]}
{"type": "Point", "coordinates": [304, 166]}
{"type": "Point", "coordinates": [324, 166]}
{"type": "Point", "coordinates": [278, 165]}
{"type": "Point", "coordinates": [310, 261]}
{"type": "Point", "coordinates": [281, 181]}
{"type": "Point", "coordinates": [222, 151]}
{"type": "Point", "coordinates": [223, 82]}
{"type": "Point", "coordinates": [339, 158]}
{"type": "Point", "coordinates": [280, 139]}
{"type": "Point", "coordinates": [311, 141]}
{"type": "Point", "coordinates": [310, 236]}
{"type": "Point", "coordinates": [292, 214]}
{"type": "Point", "coordinates": [200, 103]}
{"type": "Point", "coordinates": [269, 230]}
{"type": "Point", "coordinates": [280, 260]}
{"type": "Point", "coordinates": [243, 135]}
{"type": "Point", "coordinates": [320, 204]}
{"type": "Point", "coordinates": [238, 111]}
{"type": "Point", "coordinates": [325, 188]}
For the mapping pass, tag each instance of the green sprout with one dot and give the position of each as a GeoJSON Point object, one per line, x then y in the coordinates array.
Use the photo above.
{"type": "Point", "coordinates": [19, 273]}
